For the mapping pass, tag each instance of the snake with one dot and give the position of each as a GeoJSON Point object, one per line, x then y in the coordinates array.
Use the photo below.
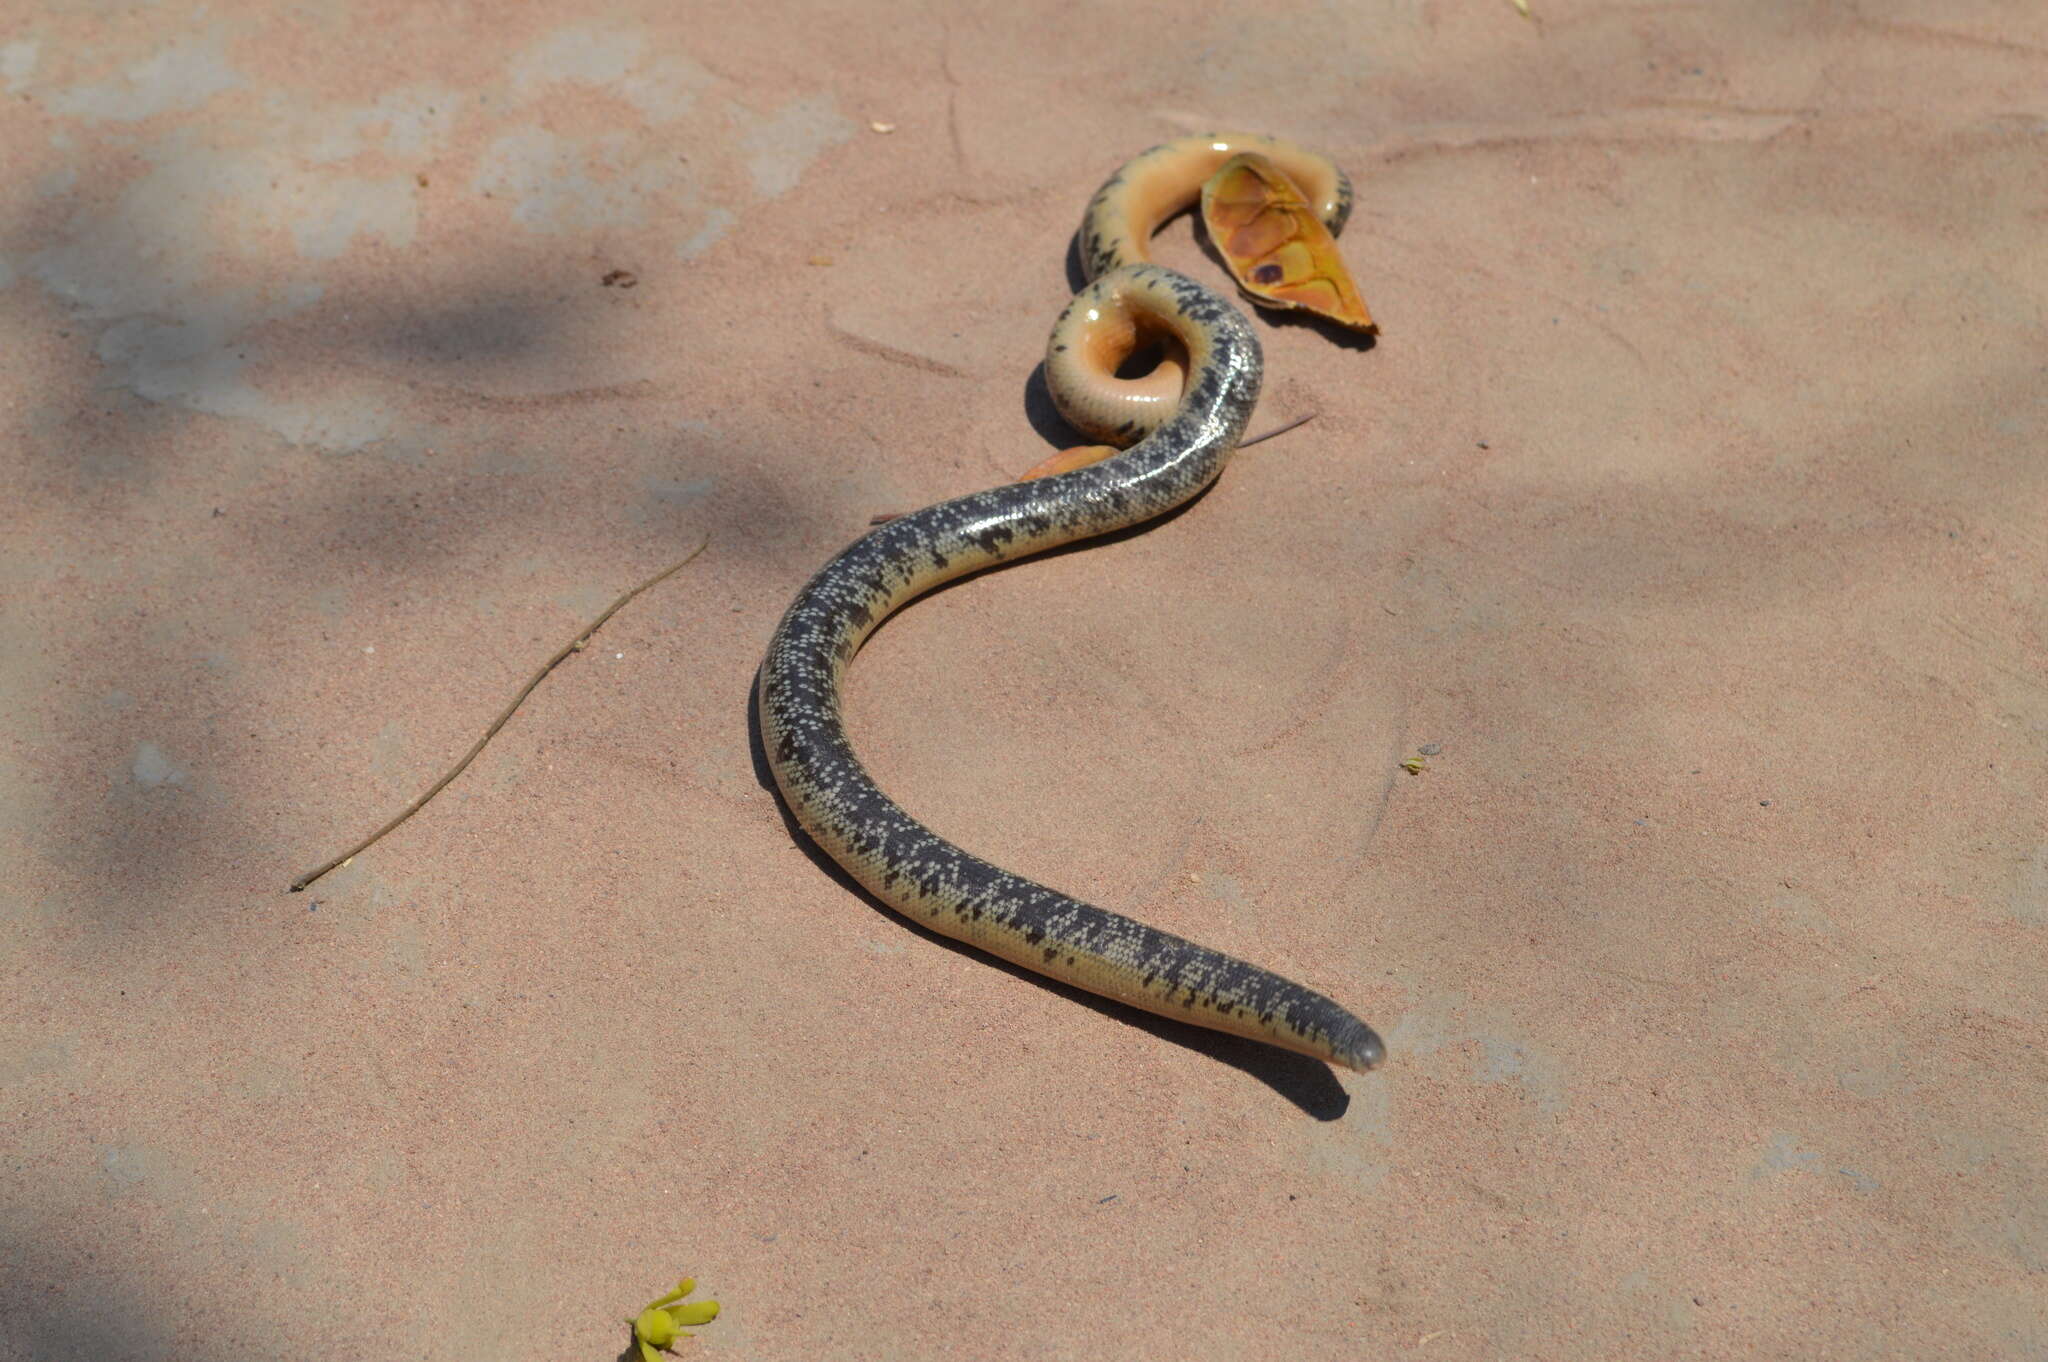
{"type": "Point", "coordinates": [1175, 436]}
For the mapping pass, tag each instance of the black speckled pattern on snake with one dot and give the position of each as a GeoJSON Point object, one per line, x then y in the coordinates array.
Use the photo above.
{"type": "Point", "coordinates": [917, 872]}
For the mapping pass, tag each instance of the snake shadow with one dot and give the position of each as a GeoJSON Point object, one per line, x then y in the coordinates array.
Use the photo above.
{"type": "Point", "coordinates": [1307, 1083]}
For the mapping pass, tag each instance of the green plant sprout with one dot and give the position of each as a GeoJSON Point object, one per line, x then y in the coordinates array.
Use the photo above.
{"type": "Point", "coordinates": [661, 1323]}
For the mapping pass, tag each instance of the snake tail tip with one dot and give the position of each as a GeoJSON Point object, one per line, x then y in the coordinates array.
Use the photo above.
{"type": "Point", "coordinates": [1361, 1051]}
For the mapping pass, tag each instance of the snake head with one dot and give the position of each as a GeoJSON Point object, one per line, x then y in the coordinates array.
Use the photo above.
{"type": "Point", "coordinates": [1277, 249]}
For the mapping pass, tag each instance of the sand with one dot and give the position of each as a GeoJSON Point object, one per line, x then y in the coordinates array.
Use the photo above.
{"type": "Point", "coordinates": [1689, 512]}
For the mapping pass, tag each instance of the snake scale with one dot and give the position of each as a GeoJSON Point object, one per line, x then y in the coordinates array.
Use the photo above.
{"type": "Point", "coordinates": [1183, 437]}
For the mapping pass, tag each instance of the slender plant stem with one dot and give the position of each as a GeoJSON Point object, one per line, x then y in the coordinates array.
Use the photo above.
{"type": "Point", "coordinates": [1277, 430]}
{"type": "Point", "coordinates": [884, 517]}
{"type": "Point", "coordinates": [573, 645]}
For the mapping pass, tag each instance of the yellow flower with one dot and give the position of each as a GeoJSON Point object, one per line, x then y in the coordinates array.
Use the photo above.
{"type": "Point", "coordinates": [661, 1323]}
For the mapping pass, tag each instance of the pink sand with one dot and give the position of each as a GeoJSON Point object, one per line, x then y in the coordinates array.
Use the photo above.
{"type": "Point", "coordinates": [1692, 504]}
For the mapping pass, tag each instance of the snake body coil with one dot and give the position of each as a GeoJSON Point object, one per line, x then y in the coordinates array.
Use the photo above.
{"type": "Point", "coordinates": [898, 859]}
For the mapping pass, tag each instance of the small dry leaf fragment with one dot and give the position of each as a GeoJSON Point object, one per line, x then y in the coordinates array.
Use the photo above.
{"type": "Point", "coordinates": [1414, 766]}
{"type": "Point", "coordinates": [877, 125]}
{"type": "Point", "coordinates": [1067, 460]}
{"type": "Point", "coordinates": [1275, 246]}
{"type": "Point", "coordinates": [620, 279]}
{"type": "Point", "coordinates": [819, 260]}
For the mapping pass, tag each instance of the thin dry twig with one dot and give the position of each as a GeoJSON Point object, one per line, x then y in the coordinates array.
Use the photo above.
{"type": "Point", "coordinates": [573, 645]}
{"type": "Point", "coordinates": [884, 517]}
{"type": "Point", "coordinates": [1277, 430]}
